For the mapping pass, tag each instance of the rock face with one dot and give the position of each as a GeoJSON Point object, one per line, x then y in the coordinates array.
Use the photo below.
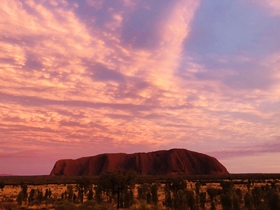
{"type": "Point", "coordinates": [165, 162]}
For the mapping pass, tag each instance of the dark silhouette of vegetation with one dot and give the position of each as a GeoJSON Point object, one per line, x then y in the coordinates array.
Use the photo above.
{"type": "Point", "coordinates": [117, 186]}
{"type": "Point", "coordinates": [248, 201]}
{"type": "Point", "coordinates": [148, 192]}
{"type": "Point", "coordinates": [177, 196]}
{"type": "Point", "coordinates": [258, 196]}
{"type": "Point", "coordinates": [154, 192]}
{"type": "Point", "coordinates": [35, 197]}
{"type": "Point", "coordinates": [83, 186]}
{"type": "Point", "coordinates": [231, 198]}
{"type": "Point", "coordinates": [273, 199]}
{"type": "Point", "coordinates": [213, 192]}
{"type": "Point", "coordinates": [115, 190]}
{"type": "Point", "coordinates": [23, 195]}
{"type": "Point", "coordinates": [90, 194]}
{"type": "Point", "coordinates": [202, 200]}
{"type": "Point", "coordinates": [2, 185]}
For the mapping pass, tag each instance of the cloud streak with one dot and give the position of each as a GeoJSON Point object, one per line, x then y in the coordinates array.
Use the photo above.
{"type": "Point", "coordinates": [82, 78]}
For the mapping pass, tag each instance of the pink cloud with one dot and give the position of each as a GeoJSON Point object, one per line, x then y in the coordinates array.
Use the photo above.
{"type": "Point", "coordinates": [74, 86]}
{"type": "Point", "coordinates": [272, 5]}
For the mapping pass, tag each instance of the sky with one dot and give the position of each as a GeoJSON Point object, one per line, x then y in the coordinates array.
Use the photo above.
{"type": "Point", "coordinates": [81, 78]}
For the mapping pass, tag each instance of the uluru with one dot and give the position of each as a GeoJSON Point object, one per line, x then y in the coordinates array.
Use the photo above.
{"type": "Point", "coordinates": [163, 162]}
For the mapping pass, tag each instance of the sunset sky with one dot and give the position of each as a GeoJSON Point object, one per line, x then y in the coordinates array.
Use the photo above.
{"type": "Point", "coordinates": [84, 77]}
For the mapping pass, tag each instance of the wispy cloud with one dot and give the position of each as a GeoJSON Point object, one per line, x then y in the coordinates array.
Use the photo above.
{"type": "Point", "coordinates": [104, 76]}
{"type": "Point", "coordinates": [249, 150]}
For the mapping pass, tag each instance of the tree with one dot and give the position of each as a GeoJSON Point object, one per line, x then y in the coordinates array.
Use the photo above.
{"type": "Point", "coordinates": [154, 192]}
{"type": "Point", "coordinates": [258, 197]}
{"type": "Point", "coordinates": [168, 197]}
{"type": "Point", "coordinates": [83, 186]}
{"type": "Point", "coordinates": [202, 199]}
{"type": "Point", "coordinates": [143, 191]}
{"type": "Point", "coordinates": [213, 192]}
{"type": "Point", "coordinates": [31, 197]}
{"type": "Point", "coordinates": [118, 186]}
{"type": "Point", "coordinates": [90, 194]}
{"type": "Point", "coordinates": [227, 201]}
{"type": "Point", "coordinates": [191, 199]}
{"type": "Point", "coordinates": [230, 197]}
{"type": "Point", "coordinates": [197, 194]}
{"type": "Point", "coordinates": [69, 193]}
{"type": "Point", "coordinates": [47, 195]}
{"type": "Point", "coordinates": [148, 192]}
{"type": "Point", "coordinates": [2, 185]}
{"type": "Point", "coordinates": [22, 196]}
{"type": "Point", "coordinates": [273, 199]}
{"type": "Point", "coordinates": [177, 195]}
{"type": "Point", "coordinates": [248, 200]}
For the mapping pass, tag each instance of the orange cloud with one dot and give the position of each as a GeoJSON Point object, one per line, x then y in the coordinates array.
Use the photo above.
{"type": "Point", "coordinates": [99, 83]}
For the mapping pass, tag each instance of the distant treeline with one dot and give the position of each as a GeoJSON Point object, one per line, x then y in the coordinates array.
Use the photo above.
{"type": "Point", "coordinates": [46, 179]}
{"type": "Point", "coordinates": [125, 189]}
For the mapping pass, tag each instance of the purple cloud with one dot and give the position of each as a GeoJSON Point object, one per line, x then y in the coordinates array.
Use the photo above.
{"type": "Point", "coordinates": [108, 76]}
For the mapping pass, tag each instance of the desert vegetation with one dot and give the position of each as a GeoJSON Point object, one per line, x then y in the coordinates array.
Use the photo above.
{"type": "Point", "coordinates": [127, 190]}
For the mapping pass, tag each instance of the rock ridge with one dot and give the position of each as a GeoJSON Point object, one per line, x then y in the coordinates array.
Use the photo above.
{"type": "Point", "coordinates": [163, 162]}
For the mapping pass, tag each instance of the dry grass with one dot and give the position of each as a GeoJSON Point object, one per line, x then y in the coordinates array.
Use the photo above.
{"type": "Point", "coordinates": [58, 185]}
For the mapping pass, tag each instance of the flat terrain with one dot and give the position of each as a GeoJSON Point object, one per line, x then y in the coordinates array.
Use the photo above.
{"type": "Point", "coordinates": [46, 179]}
{"type": "Point", "coordinates": [59, 187]}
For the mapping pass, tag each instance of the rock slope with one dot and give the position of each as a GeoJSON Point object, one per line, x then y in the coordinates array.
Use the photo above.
{"type": "Point", "coordinates": [164, 162]}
